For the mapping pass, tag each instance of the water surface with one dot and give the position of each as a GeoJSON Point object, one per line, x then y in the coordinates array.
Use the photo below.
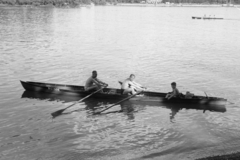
{"type": "Point", "coordinates": [158, 44]}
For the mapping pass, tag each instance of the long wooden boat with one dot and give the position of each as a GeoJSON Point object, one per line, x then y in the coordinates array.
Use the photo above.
{"type": "Point", "coordinates": [115, 94]}
{"type": "Point", "coordinates": [206, 18]}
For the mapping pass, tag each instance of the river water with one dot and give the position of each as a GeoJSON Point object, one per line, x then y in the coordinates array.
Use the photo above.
{"type": "Point", "coordinates": [158, 44]}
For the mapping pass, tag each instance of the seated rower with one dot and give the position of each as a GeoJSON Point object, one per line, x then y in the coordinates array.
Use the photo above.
{"type": "Point", "coordinates": [130, 86]}
{"type": "Point", "coordinates": [93, 83]}
{"type": "Point", "coordinates": [174, 93]}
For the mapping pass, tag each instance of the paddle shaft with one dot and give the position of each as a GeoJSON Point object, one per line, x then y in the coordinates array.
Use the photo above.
{"type": "Point", "coordinates": [206, 95]}
{"type": "Point", "coordinates": [84, 98]}
{"type": "Point", "coordinates": [119, 102]}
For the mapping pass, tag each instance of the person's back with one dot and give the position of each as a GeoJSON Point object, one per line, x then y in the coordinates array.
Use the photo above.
{"type": "Point", "coordinates": [125, 84]}
{"type": "Point", "coordinates": [175, 92]}
{"type": "Point", "coordinates": [89, 82]}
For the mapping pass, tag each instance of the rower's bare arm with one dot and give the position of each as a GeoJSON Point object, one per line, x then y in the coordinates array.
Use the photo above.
{"type": "Point", "coordinates": [138, 85]}
{"type": "Point", "coordinates": [173, 94]}
{"type": "Point", "coordinates": [96, 81]}
{"type": "Point", "coordinates": [100, 82]}
{"type": "Point", "coordinates": [132, 84]}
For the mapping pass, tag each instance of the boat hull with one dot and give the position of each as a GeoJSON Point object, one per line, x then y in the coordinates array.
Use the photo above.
{"type": "Point", "coordinates": [69, 90]}
{"type": "Point", "coordinates": [115, 94]}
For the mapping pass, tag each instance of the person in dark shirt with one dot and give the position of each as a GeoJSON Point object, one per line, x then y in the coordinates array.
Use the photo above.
{"type": "Point", "coordinates": [93, 83]}
{"type": "Point", "coordinates": [175, 92]}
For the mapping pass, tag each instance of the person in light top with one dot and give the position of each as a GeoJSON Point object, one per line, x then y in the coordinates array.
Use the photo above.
{"type": "Point", "coordinates": [130, 86]}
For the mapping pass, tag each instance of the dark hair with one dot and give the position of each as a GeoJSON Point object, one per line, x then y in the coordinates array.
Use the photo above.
{"type": "Point", "coordinates": [173, 83]}
{"type": "Point", "coordinates": [94, 71]}
{"type": "Point", "coordinates": [132, 75]}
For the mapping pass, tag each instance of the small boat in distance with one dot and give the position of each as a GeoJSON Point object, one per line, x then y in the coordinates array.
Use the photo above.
{"type": "Point", "coordinates": [209, 18]}
{"type": "Point", "coordinates": [115, 94]}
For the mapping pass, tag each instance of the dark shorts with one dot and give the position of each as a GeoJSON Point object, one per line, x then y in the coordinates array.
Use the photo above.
{"type": "Point", "coordinates": [121, 91]}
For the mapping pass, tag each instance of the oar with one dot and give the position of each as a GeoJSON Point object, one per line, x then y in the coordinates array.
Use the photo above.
{"type": "Point", "coordinates": [55, 114]}
{"type": "Point", "coordinates": [207, 98]}
{"type": "Point", "coordinates": [206, 95]}
{"type": "Point", "coordinates": [118, 102]}
{"type": "Point", "coordinates": [145, 88]}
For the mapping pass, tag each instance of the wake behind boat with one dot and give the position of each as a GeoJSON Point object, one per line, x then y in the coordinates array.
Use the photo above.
{"type": "Point", "coordinates": [115, 94]}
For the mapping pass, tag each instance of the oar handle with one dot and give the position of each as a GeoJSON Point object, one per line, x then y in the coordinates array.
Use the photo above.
{"type": "Point", "coordinates": [119, 102]}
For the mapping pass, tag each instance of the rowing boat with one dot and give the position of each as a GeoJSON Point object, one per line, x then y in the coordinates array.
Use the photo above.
{"type": "Point", "coordinates": [115, 94]}
{"type": "Point", "coordinates": [206, 18]}
{"type": "Point", "coordinates": [196, 17]}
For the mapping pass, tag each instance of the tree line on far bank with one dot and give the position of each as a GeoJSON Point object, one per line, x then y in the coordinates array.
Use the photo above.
{"type": "Point", "coordinates": [45, 2]}
{"type": "Point", "coordinates": [204, 1]}
{"type": "Point", "coordinates": [62, 3]}
{"type": "Point", "coordinates": [185, 1]}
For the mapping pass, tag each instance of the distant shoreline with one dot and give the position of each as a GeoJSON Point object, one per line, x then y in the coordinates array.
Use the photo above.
{"type": "Point", "coordinates": [128, 4]}
{"type": "Point", "coordinates": [176, 5]}
{"type": "Point", "coordinates": [48, 5]}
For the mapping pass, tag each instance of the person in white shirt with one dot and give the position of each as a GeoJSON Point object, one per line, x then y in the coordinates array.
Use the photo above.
{"type": "Point", "coordinates": [130, 86]}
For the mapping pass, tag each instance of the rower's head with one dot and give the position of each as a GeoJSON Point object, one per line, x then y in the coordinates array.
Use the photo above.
{"type": "Point", "coordinates": [132, 77]}
{"type": "Point", "coordinates": [174, 85]}
{"type": "Point", "coordinates": [94, 74]}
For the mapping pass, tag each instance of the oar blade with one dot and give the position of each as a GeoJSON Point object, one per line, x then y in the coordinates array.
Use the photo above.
{"type": "Point", "coordinates": [95, 113]}
{"type": "Point", "coordinates": [57, 113]}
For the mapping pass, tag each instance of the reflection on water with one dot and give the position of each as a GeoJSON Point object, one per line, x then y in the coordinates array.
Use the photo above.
{"type": "Point", "coordinates": [173, 113]}
{"type": "Point", "coordinates": [50, 97]}
{"type": "Point", "coordinates": [127, 107]}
